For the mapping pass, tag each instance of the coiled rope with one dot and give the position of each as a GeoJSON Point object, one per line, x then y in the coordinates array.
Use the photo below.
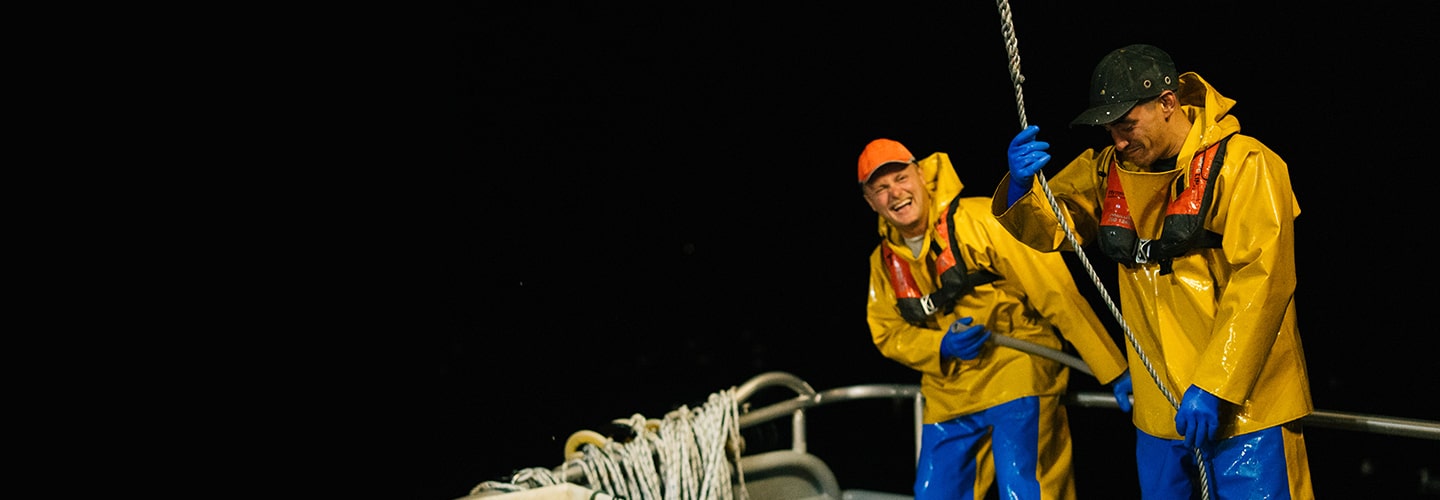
{"type": "Point", "coordinates": [1007, 29]}
{"type": "Point", "coordinates": [691, 454]}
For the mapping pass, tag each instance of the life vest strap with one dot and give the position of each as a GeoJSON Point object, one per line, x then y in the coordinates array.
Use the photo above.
{"type": "Point", "coordinates": [1183, 228]}
{"type": "Point", "coordinates": [955, 281]}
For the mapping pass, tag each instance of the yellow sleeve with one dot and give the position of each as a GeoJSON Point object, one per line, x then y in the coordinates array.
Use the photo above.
{"type": "Point", "coordinates": [1255, 212]}
{"type": "Point", "coordinates": [910, 345]}
{"type": "Point", "coordinates": [1076, 188]}
{"type": "Point", "coordinates": [1052, 292]}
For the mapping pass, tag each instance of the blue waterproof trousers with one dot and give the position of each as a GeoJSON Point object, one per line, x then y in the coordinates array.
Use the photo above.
{"type": "Point", "coordinates": [1268, 464]}
{"type": "Point", "coordinates": [1024, 444]}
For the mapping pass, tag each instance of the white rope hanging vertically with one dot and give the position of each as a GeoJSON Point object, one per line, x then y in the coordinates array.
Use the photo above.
{"type": "Point", "coordinates": [1007, 29]}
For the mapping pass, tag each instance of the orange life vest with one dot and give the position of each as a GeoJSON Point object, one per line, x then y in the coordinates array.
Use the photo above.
{"type": "Point", "coordinates": [1184, 226]}
{"type": "Point", "coordinates": [917, 307]}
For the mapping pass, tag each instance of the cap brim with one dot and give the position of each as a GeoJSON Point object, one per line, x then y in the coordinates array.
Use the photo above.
{"type": "Point", "coordinates": [1100, 115]}
{"type": "Point", "coordinates": [882, 166]}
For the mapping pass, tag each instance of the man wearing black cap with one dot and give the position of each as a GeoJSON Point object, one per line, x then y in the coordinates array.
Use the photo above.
{"type": "Point", "coordinates": [942, 276]}
{"type": "Point", "coordinates": [1200, 220]}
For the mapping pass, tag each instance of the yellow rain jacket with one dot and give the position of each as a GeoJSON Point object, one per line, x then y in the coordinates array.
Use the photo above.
{"type": "Point", "coordinates": [1034, 295]}
{"type": "Point", "coordinates": [1224, 319]}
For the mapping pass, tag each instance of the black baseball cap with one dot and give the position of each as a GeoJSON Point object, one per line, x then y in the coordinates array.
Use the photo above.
{"type": "Point", "coordinates": [1124, 77]}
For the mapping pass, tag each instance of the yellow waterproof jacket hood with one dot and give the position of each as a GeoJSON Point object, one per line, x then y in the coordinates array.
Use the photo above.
{"type": "Point", "coordinates": [1034, 295]}
{"type": "Point", "coordinates": [1224, 320]}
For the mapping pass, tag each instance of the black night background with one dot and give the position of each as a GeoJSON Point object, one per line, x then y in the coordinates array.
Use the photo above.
{"type": "Point", "coordinates": [635, 204]}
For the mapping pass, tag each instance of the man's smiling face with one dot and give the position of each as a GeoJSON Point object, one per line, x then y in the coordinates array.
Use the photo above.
{"type": "Point", "coordinates": [897, 192]}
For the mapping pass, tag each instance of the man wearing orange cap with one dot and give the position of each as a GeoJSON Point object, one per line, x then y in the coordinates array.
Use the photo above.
{"type": "Point", "coordinates": [1200, 220]}
{"type": "Point", "coordinates": [944, 276]}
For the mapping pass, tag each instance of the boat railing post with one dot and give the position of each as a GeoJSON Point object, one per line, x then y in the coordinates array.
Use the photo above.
{"type": "Point", "coordinates": [797, 424]}
{"type": "Point", "coordinates": [919, 423]}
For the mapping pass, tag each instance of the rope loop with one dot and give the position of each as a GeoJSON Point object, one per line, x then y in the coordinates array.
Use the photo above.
{"type": "Point", "coordinates": [691, 454]}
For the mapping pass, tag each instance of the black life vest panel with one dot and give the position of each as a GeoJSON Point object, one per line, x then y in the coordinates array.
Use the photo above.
{"type": "Point", "coordinates": [955, 282]}
{"type": "Point", "coordinates": [1182, 230]}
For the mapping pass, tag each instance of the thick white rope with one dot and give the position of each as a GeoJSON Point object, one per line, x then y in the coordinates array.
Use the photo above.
{"type": "Point", "coordinates": [692, 454]}
{"type": "Point", "coordinates": [1007, 29]}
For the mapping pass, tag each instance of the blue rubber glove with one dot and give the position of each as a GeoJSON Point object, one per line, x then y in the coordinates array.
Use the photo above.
{"type": "Point", "coordinates": [1198, 417]}
{"type": "Point", "coordinates": [962, 340]}
{"type": "Point", "coordinates": [1122, 388]}
{"type": "Point", "coordinates": [1026, 157]}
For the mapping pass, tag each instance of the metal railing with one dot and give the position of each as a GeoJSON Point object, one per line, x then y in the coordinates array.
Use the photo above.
{"type": "Point", "coordinates": [808, 397]}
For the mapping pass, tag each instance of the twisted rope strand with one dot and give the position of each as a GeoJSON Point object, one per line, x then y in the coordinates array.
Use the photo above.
{"type": "Point", "coordinates": [691, 454]}
{"type": "Point", "coordinates": [1007, 29]}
